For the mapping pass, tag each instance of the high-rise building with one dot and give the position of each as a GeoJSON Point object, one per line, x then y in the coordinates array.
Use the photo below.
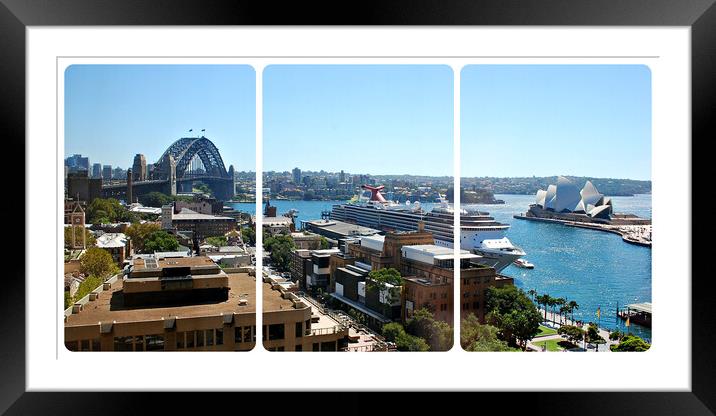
{"type": "Point", "coordinates": [296, 175]}
{"type": "Point", "coordinates": [77, 162]}
{"type": "Point", "coordinates": [139, 168]}
{"type": "Point", "coordinates": [107, 172]}
{"type": "Point", "coordinates": [342, 177]}
{"type": "Point", "coordinates": [97, 171]}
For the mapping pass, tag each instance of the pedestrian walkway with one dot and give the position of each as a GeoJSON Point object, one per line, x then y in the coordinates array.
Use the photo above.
{"type": "Point", "coordinates": [558, 321]}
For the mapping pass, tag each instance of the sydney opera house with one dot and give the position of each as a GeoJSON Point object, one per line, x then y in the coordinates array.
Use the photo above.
{"type": "Point", "coordinates": [565, 198]}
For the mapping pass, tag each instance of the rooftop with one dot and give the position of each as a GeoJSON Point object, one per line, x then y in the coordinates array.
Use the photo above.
{"type": "Point", "coordinates": [187, 214]}
{"type": "Point", "coordinates": [109, 306]}
{"type": "Point", "coordinates": [111, 240]}
{"type": "Point", "coordinates": [281, 220]}
{"type": "Point", "coordinates": [342, 228]}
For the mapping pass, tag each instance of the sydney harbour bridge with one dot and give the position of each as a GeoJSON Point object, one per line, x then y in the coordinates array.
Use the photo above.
{"type": "Point", "coordinates": [187, 161]}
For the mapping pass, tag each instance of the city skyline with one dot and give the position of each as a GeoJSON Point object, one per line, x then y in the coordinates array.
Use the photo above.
{"type": "Point", "coordinates": [113, 112]}
{"type": "Point", "coordinates": [383, 118]}
{"type": "Point", "coordinates": [542, 120]}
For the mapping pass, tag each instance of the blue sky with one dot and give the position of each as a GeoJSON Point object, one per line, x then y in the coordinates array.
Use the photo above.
{"type": "Point", "coordinates": [377, 119]}
{"type": "Point", "coordinates": [544, 120]}
{"type": "Point", "coordinates": [113, 112]}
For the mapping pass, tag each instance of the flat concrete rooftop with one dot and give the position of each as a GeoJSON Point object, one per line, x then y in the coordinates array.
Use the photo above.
{"type": "Point", "coordinates": [109, 306]}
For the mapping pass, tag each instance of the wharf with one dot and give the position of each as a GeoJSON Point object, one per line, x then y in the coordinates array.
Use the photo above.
{"type": "Point", "coordinates": [632, 234]}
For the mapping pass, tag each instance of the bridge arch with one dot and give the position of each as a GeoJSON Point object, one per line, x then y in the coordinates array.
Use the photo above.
{"type": "Point", "coordinates": [184, 150]}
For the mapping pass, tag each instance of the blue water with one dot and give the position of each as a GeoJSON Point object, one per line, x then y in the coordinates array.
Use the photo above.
{"type": "Point", "coordinates": [593, 268]}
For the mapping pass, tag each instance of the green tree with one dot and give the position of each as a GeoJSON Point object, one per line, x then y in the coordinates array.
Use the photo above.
{"type": "Point", "coordinates": [560, 302]}
{"type": "Point", "coordinates": [543, 300]}
{"type": "Point", "coordinates": [616, 335]}
{"type": "Point", "coordinates": [248, 234]}
{"type": "Point", "coordinates": [201, 187]}
{"type": "Point", "coordinates": [477, 337]}
{"type": "Point", "coordinates": [511, 310]}
{"type": "Point", "coordinates": [139, 233]}
{"type": "Point", "coordinates": [89, 284]}
{"type": "Point", "coordinates": [103, 211]}
{"type": "Point", "coordinates": [155, 199]}
{"type": "Point", "coordinates": [573, 333]}
{"type": "Point", "coordinates": [89, 238]}
{"type": "Point", "coordinates": [97, 262]}
{"type": "Point", "coordinates": [407, 342]}
{"type": "Point", "coordinates": [392, 330]}
{"type": "Point", "coordinates": [324, 243]}
{"type": "Point", "coordinates": [631, 343]}
{"type": "Point", "coordinates": [217, 241]}
{"type": "Point", "coordinates": [280, 247]}
{"type": "Point", "coordinates": [438, 334]}
{"type": "Point", "coordinates": [572, 307]}
{"type": "Point", "coordinates": [593, 336]}
{"type": "Point", "coordinates": [380, 280]}
{"type": "Point", "coordinates": [160, 241]}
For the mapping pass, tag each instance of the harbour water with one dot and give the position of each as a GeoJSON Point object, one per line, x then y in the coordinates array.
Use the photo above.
{"type": "Point", "coordinates": [593, 268]}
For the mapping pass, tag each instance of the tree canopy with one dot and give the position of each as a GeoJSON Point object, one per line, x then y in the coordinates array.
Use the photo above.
{"type": "Point", "coordinates": [160, 241]}
{"type": "Point", "coordinates": [97, 262]}
{"type": "Point", "coordinates": [438, 334]}
{"type": "Point", "coordinates": [280, 247]}
{"type": "Point", "coordinates": [139, 233]}
{"type": "Point", "coordinates": [217, 241]}
{"type": "Point", "coordinates": [248, 234]}
{"type": "Point", "coordinates": [573, 333]}
{"type": "Point", "coordinates": [631, 343]}
{"type": "Point", "coordinates": [89, 238]}
{"type": "Point", "coordinates": [477, 337]}
{"type": "Point", "coordinates": [512, 311]}
{"type": "Point", "coordinates": [155, 199]}
{"type": "Point", "coordinates": [394, 332]}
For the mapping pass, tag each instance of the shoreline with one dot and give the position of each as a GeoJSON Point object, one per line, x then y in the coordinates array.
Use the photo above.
{"type": "Point", "coordinates": [627, 237]}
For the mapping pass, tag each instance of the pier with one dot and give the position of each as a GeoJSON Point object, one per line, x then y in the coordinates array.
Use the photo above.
{"type": "Point", "coordinates": [633, 234]}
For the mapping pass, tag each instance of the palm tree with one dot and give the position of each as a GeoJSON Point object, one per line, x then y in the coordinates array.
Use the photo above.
{"type": "Point", "coordinates": [564, 309]}
{"type": "Point", "coordinates": [572, 306]}
{"type": "Point", "coordinates": [543, 300]}
{"type": "Point", "coordinates": [532, 293]}
{"type": "Point", "coordinates": [551, 302]}
{"type": "Point", "coordinates": [560, 302]}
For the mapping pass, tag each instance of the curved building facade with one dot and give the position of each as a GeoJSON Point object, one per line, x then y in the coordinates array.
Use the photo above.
{"type": "Point", "coordinates": [565, 197]}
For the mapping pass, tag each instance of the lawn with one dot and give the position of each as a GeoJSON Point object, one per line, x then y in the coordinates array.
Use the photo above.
{"type": "Point", "coordinates": [557, 344]}
{"type": "Point", "coordinates": [544, 331]}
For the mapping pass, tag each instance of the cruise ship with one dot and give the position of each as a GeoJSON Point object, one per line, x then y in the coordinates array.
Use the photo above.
{"type": "Point", "coordinates": [479, 232]}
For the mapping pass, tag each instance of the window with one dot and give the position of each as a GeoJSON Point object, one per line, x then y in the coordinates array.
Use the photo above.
{"type": "Point", "coordinates": [220, 336]}
{"type": "Point", "coordinates": [199, 338]}
{"type": "Point", "coordinates": [475, 305]}
{"type": "Point", "coordinates": [466, 295]}
{"type": "Point", "coordinates": [275, 331]}
{"type": "Point", "coordinates": [123, 344]}
{"type": "Point", "coordinates": [308, 327]}
{"type": "Point", "coordinates": [264, 334]}
{"type": "Point", "coordinates": [71, 345]}
{"type": "Point", "coordinates": [315, 346]}
{"type": "Point", "coordinates": [248, 334]}
{"type": "Point", "coordinates": [190, 339]}
{"type": "Point", "coordinates": [299, 348]}
{"type": "Point", "coordinates": [155, 342]}
{"type": "Point", "coordinates": [299, 329]}
{"type": "Point", "coordinates": [84, 345]}
{"type": "Point", "coordinates": [180, 340]}
{"type": "Point", "coordinates": [328, 346]}
{"type": "Point", "coordinates": [279, 348]}
{"type": "Point", "coordinates": [139, 343]}
{"type": "Point", "coordinates": [96, 345]}
{"type": "Point", "coordinates": [209, 337]}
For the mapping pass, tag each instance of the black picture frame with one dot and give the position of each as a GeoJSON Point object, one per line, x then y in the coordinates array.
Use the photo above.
{"type": "Point", "coordinates": [16, 15]}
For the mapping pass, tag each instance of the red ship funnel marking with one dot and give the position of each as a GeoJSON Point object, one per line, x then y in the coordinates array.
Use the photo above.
{"type": "Point", "coordinates": [375, 194]}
